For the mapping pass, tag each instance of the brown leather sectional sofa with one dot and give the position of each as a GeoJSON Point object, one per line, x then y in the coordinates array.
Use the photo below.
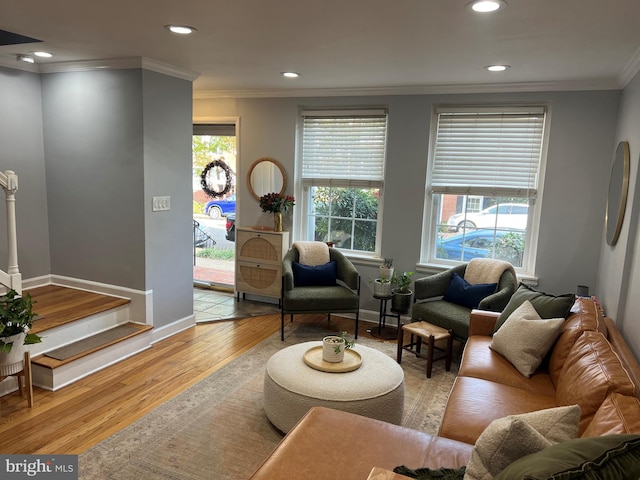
{"type": "Point", "coordinates": [590, 365]}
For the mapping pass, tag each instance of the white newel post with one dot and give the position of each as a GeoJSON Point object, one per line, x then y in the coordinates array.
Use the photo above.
{"type": "Point", "coordinates": [10, 186]}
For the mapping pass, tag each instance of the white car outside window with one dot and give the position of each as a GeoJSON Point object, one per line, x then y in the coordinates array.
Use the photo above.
{"type": "Point", "coordinates": [509, 216]}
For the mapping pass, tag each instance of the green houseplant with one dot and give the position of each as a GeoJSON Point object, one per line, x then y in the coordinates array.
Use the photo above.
{"type": "Point", "coordinates": [401, 299]}
{"type": "Point", "coordinates": [16, 317]}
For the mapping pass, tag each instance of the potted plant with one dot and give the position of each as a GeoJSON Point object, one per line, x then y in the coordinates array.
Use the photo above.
{"type": "Point", "coordinates": [401, 299]}
{"type": "Point", "coordinates": [16, 317]}
{"type": "Point", "coordinates": [386, 269]}
{"type": "Point", "coordinates": [382, 287]}
{"type": "Point", "coordinates": [333, 347]}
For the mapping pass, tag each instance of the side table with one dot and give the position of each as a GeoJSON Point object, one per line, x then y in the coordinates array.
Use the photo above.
{"type": "Point", "coordinates": [382, 331]}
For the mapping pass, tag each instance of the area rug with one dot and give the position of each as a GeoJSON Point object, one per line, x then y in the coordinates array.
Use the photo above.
{"type": "Point", "coordinates": [217, 429]}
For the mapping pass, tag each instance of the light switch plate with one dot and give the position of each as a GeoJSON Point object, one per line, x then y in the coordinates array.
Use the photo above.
{"type": "Point", "coordinates": [161, 204]}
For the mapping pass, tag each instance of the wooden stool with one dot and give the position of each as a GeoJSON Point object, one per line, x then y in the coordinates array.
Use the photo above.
{"type": "Point", "coordinates": [431, 334]}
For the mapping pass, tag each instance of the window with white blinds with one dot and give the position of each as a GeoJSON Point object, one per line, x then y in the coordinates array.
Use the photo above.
{"type": "Point", "coordinates": [484, 183]}
{"type": "Point", "coordinates": [344, 148]}
{"type": "Point", "coordinates": [490, 153]}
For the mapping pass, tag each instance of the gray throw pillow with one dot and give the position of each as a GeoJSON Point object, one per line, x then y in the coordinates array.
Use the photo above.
{"type": "Point", "coordinates": [510, 438]}
{"type": "Point", "coordinates": [524, 339]}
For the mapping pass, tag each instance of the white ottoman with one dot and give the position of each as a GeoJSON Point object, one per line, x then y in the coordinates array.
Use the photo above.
{"type": "Point", "coordinates": [291, 387]}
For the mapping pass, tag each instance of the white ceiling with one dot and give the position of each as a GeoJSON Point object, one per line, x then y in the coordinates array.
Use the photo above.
{"type": "Point", "coordinates": [343, 46]}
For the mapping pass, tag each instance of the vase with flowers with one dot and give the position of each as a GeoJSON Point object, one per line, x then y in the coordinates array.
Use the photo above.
{"type": "Point", "coordinates": [276, 203]}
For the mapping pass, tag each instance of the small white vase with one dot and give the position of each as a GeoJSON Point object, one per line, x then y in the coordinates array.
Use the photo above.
{"type": "Point", "coordinates": [386, 273]}
{"type": "Point", "coordinates": [11, 362]}
{"type": "Point", "coordinates": [329, 345]}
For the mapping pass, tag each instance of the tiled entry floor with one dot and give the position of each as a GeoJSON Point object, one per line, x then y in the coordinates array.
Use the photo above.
{"type": "Point", "coordinates": [214, 305]}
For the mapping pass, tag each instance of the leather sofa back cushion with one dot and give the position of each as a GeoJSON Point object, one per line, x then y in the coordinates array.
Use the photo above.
{"type": "Point", "coordinates": [618, 414]}
{"type": "Point", "coordinates": [585, 317]}
{"type": "Point", "coordinates": [591, 372]}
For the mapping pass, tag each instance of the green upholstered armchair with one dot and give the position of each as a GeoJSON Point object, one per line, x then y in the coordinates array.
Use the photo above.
{"type": "Point", "coordinates": [340, 298]}
{"type": "Point", "coordinates": [430, 308]}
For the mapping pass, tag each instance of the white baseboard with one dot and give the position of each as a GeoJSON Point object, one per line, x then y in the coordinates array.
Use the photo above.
{"type": "Point", "coordinates": [166, 331]}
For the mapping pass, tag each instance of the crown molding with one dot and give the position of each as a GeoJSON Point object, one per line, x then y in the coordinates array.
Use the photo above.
{"type": "Point", "coordinates": [18, 65]}
{"type": "Point", "coordinates": [630, 70]}
{"type": "Point", "coordinates": [599, 84]}
{"type": "Point", "coordinates": [119, 64]}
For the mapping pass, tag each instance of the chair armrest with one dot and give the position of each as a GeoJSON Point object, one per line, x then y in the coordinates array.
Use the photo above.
{"type": "Point", "coordinates": [482, 322]}
{"type": "Point", "coordinates": [435, 285]}
{"type": "Point", "coordinates": [496, 301]}
{"type": "Point", "coordinates": [287, 272]}
{"type": "Point", "coordinates": [346, 271]}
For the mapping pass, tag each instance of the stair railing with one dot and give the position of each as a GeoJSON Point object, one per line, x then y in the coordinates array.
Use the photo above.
{"type": "Point", "coordinates": [12, 277]}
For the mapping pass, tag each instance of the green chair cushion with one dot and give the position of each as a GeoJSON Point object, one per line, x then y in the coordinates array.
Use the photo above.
{"type": "Point", "coordinates": [444, 314]}
{"type": "Point", "coordinates": [319, 299]}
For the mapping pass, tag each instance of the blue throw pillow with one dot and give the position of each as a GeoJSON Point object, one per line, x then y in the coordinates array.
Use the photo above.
{"type": "Point", "coordinates": [462, 293]}
{"type": "Point", "coordinates": [315, 276]}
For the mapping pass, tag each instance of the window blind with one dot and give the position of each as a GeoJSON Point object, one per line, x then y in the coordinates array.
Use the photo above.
{"type": "Point", "coordinates": [488, 153]}
{"type": "Point", "coordinates": [344, 149]}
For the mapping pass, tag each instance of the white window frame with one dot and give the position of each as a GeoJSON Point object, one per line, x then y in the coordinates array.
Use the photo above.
{"type": "Point", "coordinates": [302, 230]}
{"type": "Point", "coordinates": [428, 260]}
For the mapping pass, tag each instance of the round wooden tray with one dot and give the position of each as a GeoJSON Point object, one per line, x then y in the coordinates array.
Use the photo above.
{"type": "Point", "coordinates": [313, 358]}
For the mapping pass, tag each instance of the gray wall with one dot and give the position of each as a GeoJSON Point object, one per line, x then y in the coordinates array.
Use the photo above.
{"type": "Point", "coordinates": [582, 131]}
{"type": "Point", "coordinates": [619, 280]}
{"type": "Point", "coordinates": [93, 150]}
{"type": "Point", "coordinates": [167, 172]}
{"type": "Point", "coordinates": [21, 150]}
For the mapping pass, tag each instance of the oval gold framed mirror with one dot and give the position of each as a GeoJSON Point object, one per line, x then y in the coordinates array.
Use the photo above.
{"type": "Point", "coordinates": [266, 175]}
{"type": "Point", "coordinates": [618, 190]}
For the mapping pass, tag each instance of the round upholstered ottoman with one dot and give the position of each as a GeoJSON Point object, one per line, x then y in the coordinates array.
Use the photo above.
{"type": "Point", "coordinates": [291, 387]}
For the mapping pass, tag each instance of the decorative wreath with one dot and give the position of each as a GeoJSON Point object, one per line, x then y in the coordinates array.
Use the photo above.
{"type": "Point", "coordinates": [204, 179]}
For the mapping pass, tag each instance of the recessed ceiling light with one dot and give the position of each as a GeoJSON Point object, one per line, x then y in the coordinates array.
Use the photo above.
{"type": "Point", "coordinates": [497, 68]}
{"type": "Point", "coordinates": [43, 54]}
{"type": "Point", "coordinates": [291, 74]}
{"type": "Point", "coordinates": [486, 6]}
{"type": "Point", "coordinates": [25, 58]}
{"type": "Point", "coordinates": [180, 29]}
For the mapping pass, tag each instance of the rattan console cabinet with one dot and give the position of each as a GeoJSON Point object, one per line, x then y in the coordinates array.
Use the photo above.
{"type": "Point", "coordinates": [259, 261]}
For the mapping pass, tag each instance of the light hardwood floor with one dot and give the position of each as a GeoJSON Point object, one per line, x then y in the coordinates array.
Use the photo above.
{"type": "Point", "coordinates": [81, 415]}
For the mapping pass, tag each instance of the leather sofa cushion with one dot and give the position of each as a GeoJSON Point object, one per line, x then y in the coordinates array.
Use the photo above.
{"type": "Point", "coordinates": [584, 317]}
{"type": "Point", "coordinates": [618, 414]}
{"type": "Point", "coordinates": [479, 361]}
{"type": "Point", "coordinates": [329, 444]}
{"type": "Point", "coordinates": [474, 403]}
{"type": "Point", "coordinates": [591, 372]}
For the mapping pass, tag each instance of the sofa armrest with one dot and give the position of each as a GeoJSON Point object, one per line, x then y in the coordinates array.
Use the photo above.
{"type": "Point", "coordinates": [482, 322]}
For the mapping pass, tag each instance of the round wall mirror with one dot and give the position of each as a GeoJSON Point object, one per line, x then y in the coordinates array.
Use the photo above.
{"type": "Point", "coordinates": [618, 189]}
{"type": "Point", "coordinates": [266, 175]}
